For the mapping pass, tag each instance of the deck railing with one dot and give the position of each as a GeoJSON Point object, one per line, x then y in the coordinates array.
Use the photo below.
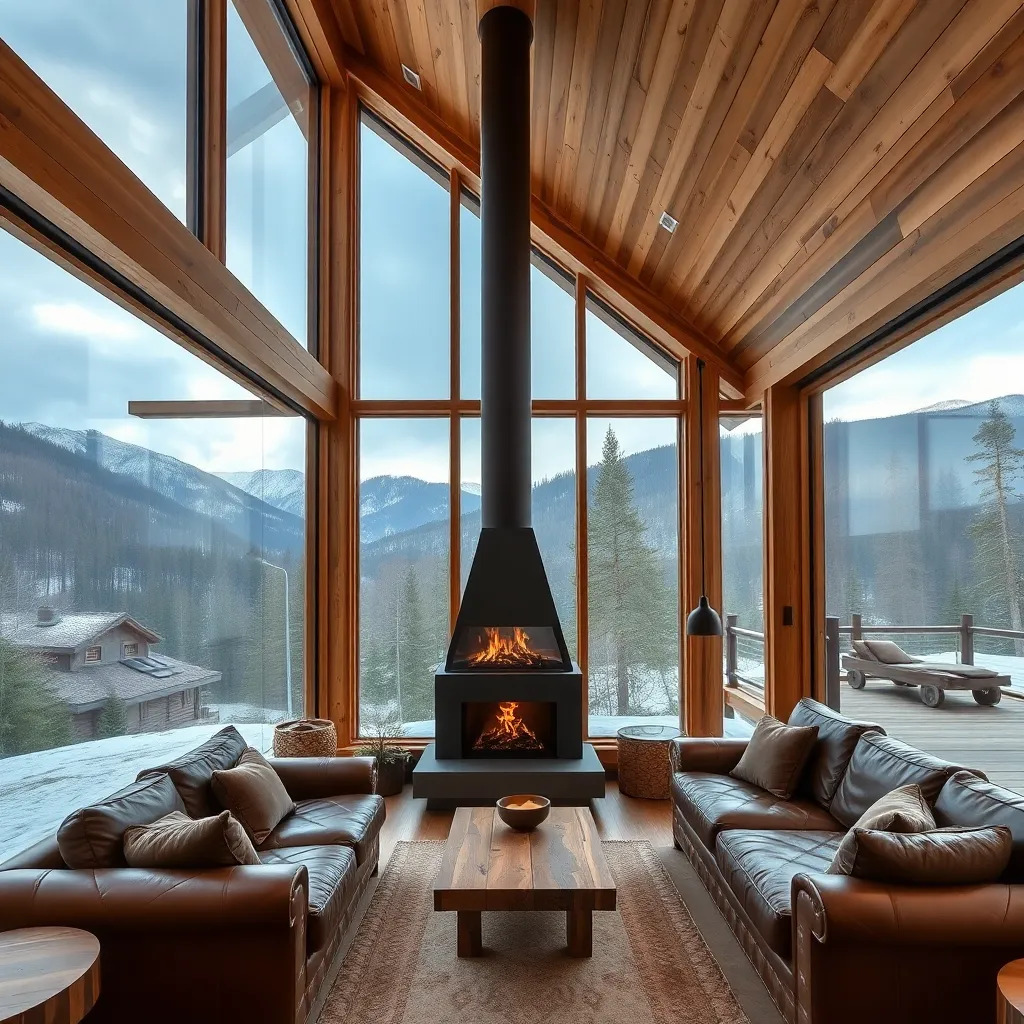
{"type": "Point", "coordinates": [964, 634]}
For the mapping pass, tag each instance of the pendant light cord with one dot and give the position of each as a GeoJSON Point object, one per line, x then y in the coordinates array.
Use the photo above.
{"type": "Point", "coordinates": [700, 432]}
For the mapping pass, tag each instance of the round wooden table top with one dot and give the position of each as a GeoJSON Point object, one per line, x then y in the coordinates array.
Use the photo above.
{"type": "Point", "coordinates": [1011, 992]}
{"type": "Point", "coordinates": [48, 974]}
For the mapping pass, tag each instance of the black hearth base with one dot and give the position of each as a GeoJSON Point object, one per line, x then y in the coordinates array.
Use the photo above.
{"type": "Point", "coordinates": [468, 782]}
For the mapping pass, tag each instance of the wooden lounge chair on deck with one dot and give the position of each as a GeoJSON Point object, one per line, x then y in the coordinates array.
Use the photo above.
{"type": "Point", "coordinates": [882, 659]}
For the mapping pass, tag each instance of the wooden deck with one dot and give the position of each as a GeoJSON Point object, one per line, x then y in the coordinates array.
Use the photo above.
{"type": "Point", "coordinates": [991, 739]}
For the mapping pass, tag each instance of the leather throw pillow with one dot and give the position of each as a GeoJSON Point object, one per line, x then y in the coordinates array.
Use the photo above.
{"type": "Point", "coordinates": [943, 856]}
{"type": "Point", "coordinates": [902, 811]}
{"type": "Point", "coordinates": [178, 841]}
{"type": "Point", "coordinates": [775, 756]}
{"type": "Point", "coordinates": [254, 793]}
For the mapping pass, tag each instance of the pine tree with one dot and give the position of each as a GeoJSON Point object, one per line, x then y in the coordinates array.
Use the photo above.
{"type": "Point", "coordinates": [629, 603]}
{"type": "Point", "coordinates": [997, 543]}
{"type": "Point", "coordinates": [31, 717]}
{"type": "Point", "coordinates": [416, 684]}
{"type": "Point", "coordinates": [113, 718]}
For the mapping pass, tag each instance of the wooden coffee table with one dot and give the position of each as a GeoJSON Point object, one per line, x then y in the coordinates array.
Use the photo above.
{"type": "Point", "coordinates": [558, 866]}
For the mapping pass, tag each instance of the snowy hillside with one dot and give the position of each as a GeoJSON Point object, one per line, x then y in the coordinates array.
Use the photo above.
{"type": "Point", "coordinates": [396, 504]}
{"type": "Point", "coordinates": [283, 488]}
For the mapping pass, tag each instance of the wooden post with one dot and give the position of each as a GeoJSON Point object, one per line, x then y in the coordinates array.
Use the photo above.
{"type": "Point", "coordinates": [967, 639]}
{"type": "Point", "coordinates": [855, 619]}
{"type": "Point", "coordinates": [832, 676]}
{"type": "Point", "coordinates": [787, 572]}
{"type": "Point", "coordinates": [702, 677]}
{"type": "Point", "coordinates": [730, 650]}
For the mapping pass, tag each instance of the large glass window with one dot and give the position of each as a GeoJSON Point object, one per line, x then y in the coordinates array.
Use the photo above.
{"type": "Point", "coordinates": [269, 125]}
{"type": "Point", "coordinates": [633, 578]}
{"type": "Point", "coordinates": [552, 318]}
{"type": "Point", "coordinates": [740, 443]}
{"type": "Point", "coordinates": [924, 531]}
{"type": "Point", "coordinates": [151, 571]}
{"type": "Point", "coordinates": [404, 539]}
{"type": "Point", "coordinates": [621, 362]}
{"type": "Point", "coordinates": [122, 67]}
{"type": "Point", "coordinates": [404, 304]}
{"type": "Point", "coordinates": [626, 636]}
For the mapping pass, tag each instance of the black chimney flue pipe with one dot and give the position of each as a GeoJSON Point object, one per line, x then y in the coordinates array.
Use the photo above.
{"type": "Point", "coordinates": [505, 37]}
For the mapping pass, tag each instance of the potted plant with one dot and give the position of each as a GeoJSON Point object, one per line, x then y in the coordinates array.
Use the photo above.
{"type": "Point", "coordinates": [381, 728]}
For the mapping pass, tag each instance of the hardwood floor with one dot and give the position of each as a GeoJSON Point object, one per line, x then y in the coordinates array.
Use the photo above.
{"type": "Point", "coordinates": [617, 817]}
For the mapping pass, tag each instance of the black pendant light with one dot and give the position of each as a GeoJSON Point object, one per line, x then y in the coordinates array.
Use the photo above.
{"type": "Point", "coordinates": [703, 620]}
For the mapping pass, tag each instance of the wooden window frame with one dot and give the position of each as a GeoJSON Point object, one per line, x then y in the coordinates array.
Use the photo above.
{"type": "Point", "coordinates": [126, 653]}
{"type": "Point", "coordinates": [93, 655]}
{"type": "Point", "coordinates": [456, 409]}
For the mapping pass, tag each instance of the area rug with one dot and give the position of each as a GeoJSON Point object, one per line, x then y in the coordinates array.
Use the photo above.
{"type": "Point", "coordinates": [650, 964]}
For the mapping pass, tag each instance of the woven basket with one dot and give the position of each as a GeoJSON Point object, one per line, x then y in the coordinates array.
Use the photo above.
{"type": "Point", "coordinates": [306, 737]}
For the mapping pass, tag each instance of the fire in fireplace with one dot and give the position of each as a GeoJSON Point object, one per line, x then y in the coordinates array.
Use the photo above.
{"type": "Point", "coordinates": [508, 727]}
{"type": "Point", "coordinates": [507, 647]}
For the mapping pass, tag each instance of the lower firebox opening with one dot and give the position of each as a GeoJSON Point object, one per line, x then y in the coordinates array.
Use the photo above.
{"type": "Point", "coordinates": [508, 728]}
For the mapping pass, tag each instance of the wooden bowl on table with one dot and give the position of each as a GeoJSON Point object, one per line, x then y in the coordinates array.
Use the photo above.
{"type": "Point", "coordinates": [524, 811]}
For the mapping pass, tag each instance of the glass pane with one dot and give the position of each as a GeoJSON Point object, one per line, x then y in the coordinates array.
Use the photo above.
{"type": "Point", "coordinates": [924, 524]}
{"type": "Point", "coordinates": [403, 571]}
{"type": "Point", "coordinates": [742, 549]}
{"type": "Point", "coordinates": [122, 67]}
{"type": "Point", "coordinates": [404, 272]}
{"type": "Point", "coordinates": [554, 514]}
{"type": "Point", "coordinates": [622, 363]}
{"type": "Point", "coordinates": [469, 531]}
{"type": "Point", "coordinates": [268, 164]}
{"type": "Point", "coordinates": [180, 542]}
{"type": "Point", "coordinates": [552, 318]}
{"type": "Point", "coordinates": [633, 553]}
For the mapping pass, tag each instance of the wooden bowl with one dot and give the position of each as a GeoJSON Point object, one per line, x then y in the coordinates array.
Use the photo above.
{"type": "Point", "coordinates": [523, 819]}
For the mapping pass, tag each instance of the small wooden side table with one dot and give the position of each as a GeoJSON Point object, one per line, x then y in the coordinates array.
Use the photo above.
{"type": "Point", "coordinates": [49, 975]}
{"type": "Point", "coordinates": [1010, 985]}
{"type": "Point", "coordinates": [643, 760]}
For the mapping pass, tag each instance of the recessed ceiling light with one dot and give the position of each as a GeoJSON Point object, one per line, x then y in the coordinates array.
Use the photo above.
{"type": "Point", "coordinates": [668, 222]}
{"type": "Point", "coordinates": [411, 77]}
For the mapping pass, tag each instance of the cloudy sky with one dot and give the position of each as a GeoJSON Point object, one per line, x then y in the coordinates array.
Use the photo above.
{"type": "Point", "coordinates": [72, 358]}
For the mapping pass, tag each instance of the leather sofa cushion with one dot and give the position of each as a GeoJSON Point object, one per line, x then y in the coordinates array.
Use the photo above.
{"type": "Point", "coordinates": [967, 799]}
{"type": "Point", "coordinates": [710, 803]}
{"type": "Point", "coordinates": [943, 856]}
{"type": "Point", "coordinates": [93, 836]}
{"type": "Point", "coordinates": [881, 764]}
{"type": "Point", "coordinates": [331, 871]}
{"type": "Point", "coordinates": [759, 867]}
{"type": "Point", "coordinates": [178, 841]}
{"type": "Point", "coordinates": [192, 772]}
{"type": "Point", "coordinates": [837, 739]}
{"type": "Point", "coordinates": [775, 756]}
{"type": "Point", "coordinates": [353, 820]}
{"type": "Point", "coordinates": [254, 794]}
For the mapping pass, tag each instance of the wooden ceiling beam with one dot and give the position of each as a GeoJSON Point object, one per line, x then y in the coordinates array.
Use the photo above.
{"type": "Point", "coordinates": [58, 167]}
{"type": "Point", "coordinates": [321, 33]}
{"type": "Point", "coordinates": [609, 280]}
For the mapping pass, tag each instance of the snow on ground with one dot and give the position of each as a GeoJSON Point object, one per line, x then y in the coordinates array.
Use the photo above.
{"type": "Point", "coordinates": [38, 791]}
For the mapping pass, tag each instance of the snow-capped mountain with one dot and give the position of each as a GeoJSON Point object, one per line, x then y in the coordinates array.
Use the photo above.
{"type": "Point", "coordinates": [246, 514]}
{"type": "Point", "coordinates": [283, 488]}
{"type": "Point", "coordinates": [395, 504]}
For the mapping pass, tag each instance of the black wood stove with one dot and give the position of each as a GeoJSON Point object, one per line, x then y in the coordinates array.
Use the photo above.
{"type": "Point", "coordinates": [509, 700]}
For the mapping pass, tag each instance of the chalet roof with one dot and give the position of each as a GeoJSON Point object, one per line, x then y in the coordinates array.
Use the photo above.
{"type": "Point", "coordinates": [70, 632]}
{"type": "Point", "coordinates": [91, 686]}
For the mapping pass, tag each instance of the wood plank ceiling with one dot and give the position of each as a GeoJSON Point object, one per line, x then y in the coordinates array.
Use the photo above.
{"type": "Point", "coordinates": [829, 161]}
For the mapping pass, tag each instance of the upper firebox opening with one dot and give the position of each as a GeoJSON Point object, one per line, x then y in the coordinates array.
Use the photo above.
{"type": "Point", "coordinates": [487, 648]}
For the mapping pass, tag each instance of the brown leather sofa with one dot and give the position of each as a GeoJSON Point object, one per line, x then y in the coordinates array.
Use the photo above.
{"type": "Point", "coordinates": [243, 944]}
{"type": "Point", "coordinates": [833, 949]}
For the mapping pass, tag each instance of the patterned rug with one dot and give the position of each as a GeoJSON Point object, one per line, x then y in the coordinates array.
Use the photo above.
{"type": "Point", "coordinates": [650, 964]}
